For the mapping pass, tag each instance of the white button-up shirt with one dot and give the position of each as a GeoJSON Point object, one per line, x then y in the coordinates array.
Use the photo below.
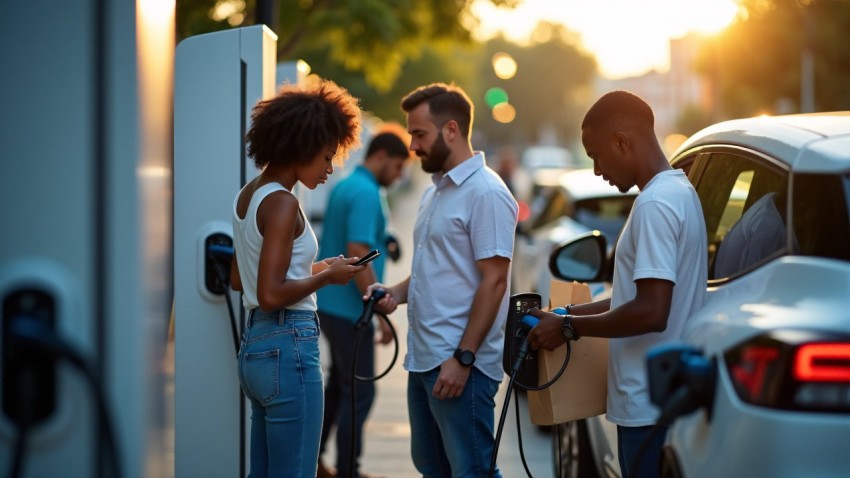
{"type": "Point", "coordinates": [466, 216]}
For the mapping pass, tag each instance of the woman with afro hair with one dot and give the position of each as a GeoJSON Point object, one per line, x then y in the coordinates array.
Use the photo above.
{"type": "Point", "coordinates": [295, 136]}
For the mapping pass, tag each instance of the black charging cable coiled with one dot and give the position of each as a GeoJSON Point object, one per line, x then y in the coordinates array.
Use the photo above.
{"type": "Point", "coordinates": [522, 354]}
{"type": "Point", "coordinates": [360, 326]}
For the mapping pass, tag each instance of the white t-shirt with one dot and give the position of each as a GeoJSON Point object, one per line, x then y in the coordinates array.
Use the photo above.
{"type": "Point", "coordinates": [663, 238]}
{"type": "Point", "coordinates": [248, 242]}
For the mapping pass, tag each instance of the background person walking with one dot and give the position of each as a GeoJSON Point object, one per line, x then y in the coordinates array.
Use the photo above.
{"type": "Point", "coordinates": [355, 223]}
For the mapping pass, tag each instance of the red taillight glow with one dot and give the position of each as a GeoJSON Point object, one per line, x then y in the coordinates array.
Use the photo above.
{"type": "Point", "coordinates": [829, 362]}
{"type": "Point", "coordinates": [751, 372]}
{"type": "Point", "coordinates": [793, 370]}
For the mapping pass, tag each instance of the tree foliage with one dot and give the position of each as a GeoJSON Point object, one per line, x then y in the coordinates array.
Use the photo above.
{"type": "Point", "coordinates": [756, 64]}
{"type": "Point", "coordinates": [380, 50]}
{"type": "Point", "coordinates": [374, 37]}
{"type": "Point", "coordinates": [550, 89]}
{"type": "Point", "coordinates": [446, 62]}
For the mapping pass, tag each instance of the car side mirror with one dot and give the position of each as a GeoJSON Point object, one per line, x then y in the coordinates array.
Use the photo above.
{"type": "Point", "coordinates": [582, 259]}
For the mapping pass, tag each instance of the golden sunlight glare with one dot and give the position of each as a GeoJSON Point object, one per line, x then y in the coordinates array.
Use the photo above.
{"type": "Point", "coordinates": [504, 65]}
{"type": "Point", "coordinates": [627, 37]}
{"type": "Point", "coordinates": [504, 112]}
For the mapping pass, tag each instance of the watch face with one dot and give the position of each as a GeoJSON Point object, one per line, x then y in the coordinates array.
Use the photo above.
{"type": "Point", "coordinates": [465, 357]}
{"type": "Point", "coordinates": [567, 329]}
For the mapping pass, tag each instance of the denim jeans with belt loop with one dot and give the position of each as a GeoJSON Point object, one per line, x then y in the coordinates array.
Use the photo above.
{"type": "Point", "coordinates": [452, 437]}
{"type": "Point", "coordinates": [280, 373]}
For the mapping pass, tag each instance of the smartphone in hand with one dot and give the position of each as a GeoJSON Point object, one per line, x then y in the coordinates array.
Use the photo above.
{"type": "Point", "coordinates": [371, 256]}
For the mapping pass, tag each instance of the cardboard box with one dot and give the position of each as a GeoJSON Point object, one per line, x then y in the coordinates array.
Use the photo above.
{"type": "Point", "coordinates": [582, 390]}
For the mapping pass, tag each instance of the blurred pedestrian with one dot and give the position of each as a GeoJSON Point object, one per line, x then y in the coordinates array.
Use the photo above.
{"type": "Point", "coordinates": [660, 270]}
{"type": "Point", "coordinates": [355, 223]}
{"type": "Point", "coordinates": [295, 137]}
{"type": "Point", "coordinates": [457, 292]}
{"type": "Point", "coordinates": [508, 161]}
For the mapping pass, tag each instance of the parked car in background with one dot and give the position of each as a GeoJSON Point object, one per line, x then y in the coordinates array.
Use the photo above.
{"type": "Point", "coordinates": [547, 157]}
{"type": "Point", "coordinates": [764, 372]}
{"type": "Point", "coordinates": [564, 205]}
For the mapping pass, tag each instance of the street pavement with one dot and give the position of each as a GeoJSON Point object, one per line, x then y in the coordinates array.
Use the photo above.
{"type": "Point", "coordinates": [387, 435]}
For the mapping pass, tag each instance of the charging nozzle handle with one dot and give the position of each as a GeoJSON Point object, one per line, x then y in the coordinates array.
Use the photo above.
{"type": "Point", "coordinates": [368, 304]}
{"type": "Point", "coordinates": [527, 323]}
{"type": "Point", "coordinates": [377, 294]}
{"type": "Point", "coordinates": [220, 252]}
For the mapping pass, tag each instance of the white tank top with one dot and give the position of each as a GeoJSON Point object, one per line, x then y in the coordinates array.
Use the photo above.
{"type": "Point", "coordinates": [247, 242]}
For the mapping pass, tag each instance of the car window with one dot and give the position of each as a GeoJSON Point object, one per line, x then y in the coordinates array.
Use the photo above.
{"type": "Point", "coordinates": [605, 214]}
{"type": "Point", "coordinates": [546, 207]}
{"type": "Point", "coordinates": [743, 201]}
{"type": "Point", "coordinates": [820, 215]}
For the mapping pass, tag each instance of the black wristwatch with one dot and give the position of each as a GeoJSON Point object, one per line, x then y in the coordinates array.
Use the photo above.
{"type": "Point", "coordinates": [567, 329]}
{"type": "Point", "coordinates": [465, 357]}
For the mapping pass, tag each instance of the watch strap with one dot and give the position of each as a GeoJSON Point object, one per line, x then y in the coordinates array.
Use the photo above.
{"type": "Point", "coordinates": [567, 328]}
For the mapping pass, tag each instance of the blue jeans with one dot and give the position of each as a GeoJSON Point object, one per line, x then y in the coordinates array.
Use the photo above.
{"type": "Point", "coordinates": [452, 437]}
{"type": "Point", "coordinates": [629, 440]}
{"type": "Point", "coordinates": [279, 372]}
{"type": "Point", "coordinates": [341, 335]}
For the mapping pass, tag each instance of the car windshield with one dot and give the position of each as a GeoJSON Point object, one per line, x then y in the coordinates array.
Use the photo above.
{"type": "Point", "coordinates": [821, 218]}
{"type": "Point", "coordinates": [607, 214]}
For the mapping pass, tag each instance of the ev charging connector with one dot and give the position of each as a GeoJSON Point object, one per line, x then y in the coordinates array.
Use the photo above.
{"type": "Point", "coordinates": [520, 363]}
{"type": "Point", "coordinates": [218, 258]}
{"type": "Point", "coordinates": [218, 252]}
{"type": "Point", "coordinates": [681, 381]}
{"type": "Point", "coordinates": [29, 378]}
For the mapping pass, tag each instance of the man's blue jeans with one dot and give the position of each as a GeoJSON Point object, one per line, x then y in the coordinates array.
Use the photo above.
{"type": "Point", "coordinates": [629, 440]}
{"type": "Point", "coordinates": [279, 371]}
{"type": "Point", "coordinates": [452, 437]}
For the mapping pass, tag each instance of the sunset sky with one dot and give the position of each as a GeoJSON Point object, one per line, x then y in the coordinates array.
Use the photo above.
{"type": "Point", "coordinates": [628, 37]}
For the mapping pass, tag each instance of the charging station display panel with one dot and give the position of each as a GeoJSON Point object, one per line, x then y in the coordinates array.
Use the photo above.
{"type": "Point", "coordinates": [218, 79]}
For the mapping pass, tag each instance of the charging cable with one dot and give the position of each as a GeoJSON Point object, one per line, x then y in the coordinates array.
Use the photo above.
{"type": "Point", "coordinates": [360, 326]}
{"type": "Point", "coordinates": [223, 256]}
{"type": "Point", "coordinates": [31, 337]}
{"type": "Point", "coordinates": [527, 323]}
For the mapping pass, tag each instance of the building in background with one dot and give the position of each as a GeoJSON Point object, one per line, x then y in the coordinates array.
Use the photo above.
{"type": "Point", "coordinates": [671, 93]}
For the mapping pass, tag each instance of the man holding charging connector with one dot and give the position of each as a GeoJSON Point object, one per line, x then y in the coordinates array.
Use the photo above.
{"type": "Point", "coordinates": [355, 222]}
{"type": "Point", "coordinates": [660, 270]}
{"type": "Point", "coordinates": [457, 292]}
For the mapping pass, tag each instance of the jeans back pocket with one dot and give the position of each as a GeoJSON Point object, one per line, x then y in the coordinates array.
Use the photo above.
{"type": "Point", "coordinates": [259, 373]}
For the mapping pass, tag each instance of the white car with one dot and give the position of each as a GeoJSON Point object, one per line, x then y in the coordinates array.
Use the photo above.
{"type": "Point", "coordinates": [547, 157]}
{"type": "Point", "coordinates": [764, 368]}
{"type": "Point", "coordinates": [564, 205]}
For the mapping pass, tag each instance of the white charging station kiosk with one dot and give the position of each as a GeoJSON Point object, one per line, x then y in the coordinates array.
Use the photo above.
{"type": "Point", "coordinates": [218, 79]}
{"type": "Point", "coordinates": [85, 180]}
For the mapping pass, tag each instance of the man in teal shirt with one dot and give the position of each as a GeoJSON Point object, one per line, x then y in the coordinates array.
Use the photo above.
{"type": "Point", "coordinates": [355, 222]}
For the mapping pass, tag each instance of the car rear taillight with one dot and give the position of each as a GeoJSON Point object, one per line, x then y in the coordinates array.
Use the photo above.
{"type": "Point", "coordinates": [793, 370]}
